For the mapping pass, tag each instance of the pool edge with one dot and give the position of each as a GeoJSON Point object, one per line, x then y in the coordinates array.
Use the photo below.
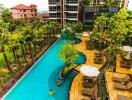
{"type": "Point", "coordinates": [3, 97]}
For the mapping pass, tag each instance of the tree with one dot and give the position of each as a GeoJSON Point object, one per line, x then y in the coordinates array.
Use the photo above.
{"type": "Point", "coordinates": [86, 3]}
{"type": "Point", "coordinates": [100, 28]}
{"type": "Point", "coordinates": [117, 27]}
{"type": "Point", "coordinates": [100, 32]}
{"type": "Point", "coordinates": [3, 46]}
{"type": "Point", "coordinates": [113, 30]}
{"type": "Point", "coordinates": [6, 15]}
{"type": "Point", "coordinates": [68, 54]}
{"type": "Point", "coordinates": [68, 33]}
{"type": "Point", "coordinates": [76, 27]}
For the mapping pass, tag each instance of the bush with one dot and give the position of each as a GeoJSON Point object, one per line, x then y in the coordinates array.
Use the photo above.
{"type": "Point", "coordinates": [67, 69]}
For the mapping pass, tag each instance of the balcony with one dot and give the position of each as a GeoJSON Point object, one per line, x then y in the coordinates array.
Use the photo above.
{"type": "Point", "coordinates": [54, 9]}
{"type": "Point", "coordinates": [54, 15]}
{"type": "Point", "coordinates": [69, 16]}
{"type": "Point", "coordinates": [54, 2]}
{"type": "Point", "coordinates": [71, 1]}
{"type": "Point", "coordinates": [71, 9]}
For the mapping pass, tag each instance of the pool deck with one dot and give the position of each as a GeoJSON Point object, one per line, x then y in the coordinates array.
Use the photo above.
{"type": "Point", "coordinates": [120, 69]}
{"type": "Point", "coordinates": [76, 87]}
{"type": "Point", "coordinates": [110, 88]}
{"type": "Point", "coordinates": [90, 54]}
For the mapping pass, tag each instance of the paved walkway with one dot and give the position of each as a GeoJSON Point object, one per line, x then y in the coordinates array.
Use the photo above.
{"type": "Point", "coordinates": [76, 87]}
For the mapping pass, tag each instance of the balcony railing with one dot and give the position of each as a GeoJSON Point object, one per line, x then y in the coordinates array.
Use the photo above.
{"type": "Point", "coordinates": [54, 9]}
{"type": "Point", "coordinates": [71, 1]}
{"type": "Point", "coordinates": [54, 3]}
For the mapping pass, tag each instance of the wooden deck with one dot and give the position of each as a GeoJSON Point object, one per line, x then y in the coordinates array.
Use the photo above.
{"type": "Point", "coordinates": [90, 54]}
{"type": "Point", "coordinates": [76, 87]}
{"type": "Point", "coordinates": [75, 92]}
{"type": "Point", "coordinates": [121, 69]}
{"type": "Point", "coordinates": [111, 90]}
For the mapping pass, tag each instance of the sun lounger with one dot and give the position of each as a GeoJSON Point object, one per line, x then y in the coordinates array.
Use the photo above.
{"type": "Point", "coordinates": [89, 92]}
{"type": "Point", "coordinates": [120, 86]}
{"type": "Point", "coordinates": [98, 61]}
{"type": "Point", "coordinates": [121, 79]}
{"type": "Point", "coordinates": [88, 84]}
{"type": "Point", "coordinates": [122, 97]}
{"type": "Point", "coordinates": [129, 86]}
{"type": "Point", "coordinates": [98, 54]}
{"type": "Point", "coordinates": [86, 78]}
{"type": "Point", "coordinates": [89, 45]}
{"type": "Point", "coordinates": [125, 64]}
{"type": "Point", "coordinates": [86, 92]}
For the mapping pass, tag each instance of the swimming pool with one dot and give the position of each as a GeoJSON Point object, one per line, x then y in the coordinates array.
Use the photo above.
{"type": "Point", "coordinates": [42, 77]}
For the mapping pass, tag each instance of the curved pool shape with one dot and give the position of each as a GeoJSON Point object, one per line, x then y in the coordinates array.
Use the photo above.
{"type": "Point", "coordinates": [42, 77]}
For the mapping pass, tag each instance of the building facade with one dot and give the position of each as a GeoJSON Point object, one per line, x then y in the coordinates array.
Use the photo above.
{"type": "Point", "coordinates": [124, 4]}
{"type": "Point", "coordinates": [23, 12]}
{"type": "Point", "coordinates": [96, 8]}
{"type": "Point", "coordinates": [64, 11]}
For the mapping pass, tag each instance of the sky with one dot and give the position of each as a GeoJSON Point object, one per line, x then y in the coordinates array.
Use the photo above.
{"type": "Point", "coordinates": [42, 4]}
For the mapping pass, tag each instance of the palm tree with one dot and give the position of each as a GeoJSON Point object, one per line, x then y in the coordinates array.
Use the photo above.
{"type": "Point", "coordinates": [28, 34]}
{"type": "Point", "coordinates": [3, 46]}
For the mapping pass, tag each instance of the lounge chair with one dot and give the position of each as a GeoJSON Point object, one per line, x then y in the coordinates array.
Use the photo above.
{"type": "Point", "coordinates": [89, 92]}
{"type": "Point", "coordinates": [85, 78]}
{"type": "Point", "coordinates": [98, 61]}
{"type": "Point", "coordinates": [98, 54]}
{"type": "Point", "coordinates": [120, 86]}
{"type": "Point", "coordinates": [121, 79]}
{"type": "Point", "coordinates": [122, 97]}
{"type": "Point", "coordinates": [89, 45]}
{"type": "Point", "coordinates": [89, 79]}
{"type": "Point", "coordinates": [88, 84]}
{"type": "Point", "coordinates": [129, 86]}
{"type": "Point", "coordinates": [125, 64]}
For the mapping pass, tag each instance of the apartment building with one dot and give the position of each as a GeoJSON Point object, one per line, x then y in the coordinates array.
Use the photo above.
{"type": "Point", "coordinates": [124, 4]}
{"type": "Point", "coordinates": [96, 8]}
{"type": "Point", "coordinates": [23, 12]}
{"type": "Point", "coordinates": [64, 11]}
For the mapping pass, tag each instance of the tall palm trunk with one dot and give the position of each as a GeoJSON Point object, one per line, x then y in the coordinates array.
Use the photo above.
{"type": "Point", "coordinates": [25, 47]}
{"type": "Point", "coordinates": [18, 61]}
{"type": "Point", "coordinates": [34, 47]}
{"type": "Point", "coordinates": [30, 51]}
{"type": "Point", "coordinates": [6, 60]}
{"type": "Point", "coordinates": [23, 53]}
{"type": "Point", "coordinates": [14, 54]}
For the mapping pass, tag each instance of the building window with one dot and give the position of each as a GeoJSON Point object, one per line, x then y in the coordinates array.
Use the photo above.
{"type": "Point", "coordinates": [31, 10]}
{"type": "Point", "coordinates": [24, 10]}
{"type": "Point", "coordinates": [25, 15]}
{"type": "Point", "coordinates": [20, 10]}
{"type": "Point", "coordinates": [34, 10]}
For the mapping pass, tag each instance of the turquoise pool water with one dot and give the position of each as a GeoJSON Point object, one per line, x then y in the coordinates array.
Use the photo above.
{"type": "Point", "coordinates": [43, 76]}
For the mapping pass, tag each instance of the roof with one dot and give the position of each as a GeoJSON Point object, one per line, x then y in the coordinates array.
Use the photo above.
{"type": "Point", "coordinates": [43, 12]}
{"type": "Point", "coordinates": [44, 15]}
{"type": "Point", "coordinates": [21, 6]}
